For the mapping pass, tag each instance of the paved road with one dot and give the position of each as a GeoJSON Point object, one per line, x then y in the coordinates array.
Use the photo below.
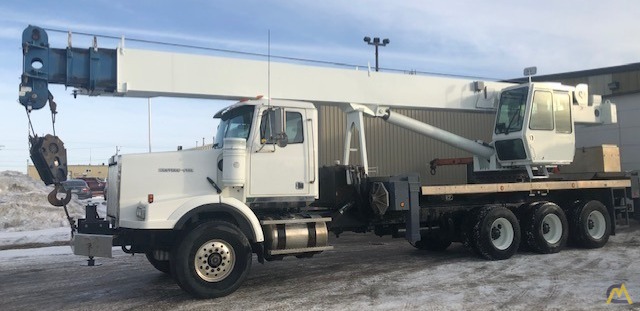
{"type": "Point", "coordinates": [363, 272]}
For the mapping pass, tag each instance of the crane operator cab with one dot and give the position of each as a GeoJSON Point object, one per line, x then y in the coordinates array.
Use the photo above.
{"type": "Point", "coordinates": [535, 124]}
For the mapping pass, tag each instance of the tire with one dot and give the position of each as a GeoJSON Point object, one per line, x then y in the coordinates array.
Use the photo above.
{"type": "Point", "coordinates": [494, 233]}
{"type": "Point", "coordinates": [590, 224]}
{"type": "Point", "coordinates": [212, 260]}
{"type": "Point", "coordinates": [544, 228]}
{"type": "Point", "coordinates": [432, 242]}
{"type": "Point", "coordinates": [160, 265]}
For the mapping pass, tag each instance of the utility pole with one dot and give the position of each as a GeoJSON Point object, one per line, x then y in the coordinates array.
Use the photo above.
{"type": "Point", "coordinates": [376, 43]}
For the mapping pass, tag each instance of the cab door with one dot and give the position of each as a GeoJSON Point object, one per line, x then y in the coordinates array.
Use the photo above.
{"type": "Point", "coordinates": [550, 132]}
{"type": "Point", "coordinates": [280, 171]}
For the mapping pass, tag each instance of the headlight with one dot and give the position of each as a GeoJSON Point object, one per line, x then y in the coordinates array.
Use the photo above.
{"type": "Point", "coordinates": [141, 211]}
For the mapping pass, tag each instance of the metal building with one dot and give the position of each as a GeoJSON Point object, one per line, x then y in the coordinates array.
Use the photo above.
{"type": "Point", "coordinates": [393, 150]}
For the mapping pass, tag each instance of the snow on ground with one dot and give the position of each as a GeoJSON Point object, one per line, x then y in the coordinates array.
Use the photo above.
{"type": "Point", "coordinates": [27, 218]}
{"type": "Point", "coordinates": [22, 239]}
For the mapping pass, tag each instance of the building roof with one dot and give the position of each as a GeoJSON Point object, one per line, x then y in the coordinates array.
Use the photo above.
{"type": "Point", "coordinates": [580, 73]}
{"type": "Point", "coordinates": [606, 81]}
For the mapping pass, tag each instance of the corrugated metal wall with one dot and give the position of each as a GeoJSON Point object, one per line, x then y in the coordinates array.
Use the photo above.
{"type": "Point", "coordinates": [627, 98]}
{"type": "Point", "coordinates": [393, 150]}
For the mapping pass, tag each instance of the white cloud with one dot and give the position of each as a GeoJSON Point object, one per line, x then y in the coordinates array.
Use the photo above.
{"type": "Point", "coordinates": [486, 38]}
{"type": "Point", "coordinates": [555, 35]}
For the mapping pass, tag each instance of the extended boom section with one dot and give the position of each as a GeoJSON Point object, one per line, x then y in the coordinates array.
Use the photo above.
{"type": "Point", "coordinates": [144, 73]}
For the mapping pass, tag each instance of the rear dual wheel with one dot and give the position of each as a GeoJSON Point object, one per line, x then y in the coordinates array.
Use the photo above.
{"type": "Point", "coordinates": [544, 227]}
{"type": "Point", "coordinates": [493, 232]}
{"type": "Point", "coordinates": [590, 224]}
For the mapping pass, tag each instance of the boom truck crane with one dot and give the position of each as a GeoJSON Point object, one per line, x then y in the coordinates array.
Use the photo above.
{"type": "Point", "coordinates": [201, 214]}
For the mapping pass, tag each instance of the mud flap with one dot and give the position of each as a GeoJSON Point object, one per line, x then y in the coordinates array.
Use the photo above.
{"type": "Point", "coordinates": [413, 219]}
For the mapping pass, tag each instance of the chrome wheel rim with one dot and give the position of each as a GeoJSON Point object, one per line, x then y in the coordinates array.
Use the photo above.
{"type": "Point", "coordinates": [214, 260]}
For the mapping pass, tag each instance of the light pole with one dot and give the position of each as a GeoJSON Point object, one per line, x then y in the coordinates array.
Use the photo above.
{"type": "Point", "coordinates": [149, 118]}
{"type": "Point", "coordinates": [376, 42]}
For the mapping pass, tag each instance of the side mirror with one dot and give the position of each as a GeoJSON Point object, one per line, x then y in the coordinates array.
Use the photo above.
{"type": "Point", "coordinates": [272, 127]}
{"type": "Point", "coordinates": [281, 136]}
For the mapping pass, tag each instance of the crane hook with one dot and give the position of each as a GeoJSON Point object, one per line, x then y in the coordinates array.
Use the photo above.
{"type": "Point", "coordinates": [53, 196]}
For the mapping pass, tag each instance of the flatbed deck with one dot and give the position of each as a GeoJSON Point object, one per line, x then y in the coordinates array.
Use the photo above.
{"type": "Point", "coordinates": [523, 187]}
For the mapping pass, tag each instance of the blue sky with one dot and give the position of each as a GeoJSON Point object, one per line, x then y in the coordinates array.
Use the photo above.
{"type": "Point", "coordinates": [494, 39]}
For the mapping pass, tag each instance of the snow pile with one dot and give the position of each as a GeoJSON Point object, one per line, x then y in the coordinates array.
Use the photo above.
{"type": "Point", "coordinates": [24, 205]}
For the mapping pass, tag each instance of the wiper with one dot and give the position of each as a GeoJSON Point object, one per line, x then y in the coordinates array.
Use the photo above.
{"type": "Point", "coordinates": [506, 130]}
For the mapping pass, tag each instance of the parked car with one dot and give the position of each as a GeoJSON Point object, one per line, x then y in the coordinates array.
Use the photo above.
{"type": "Point", "coordinates": [95, 184]}
{"type": "Point", "coordinates": [78, 187]}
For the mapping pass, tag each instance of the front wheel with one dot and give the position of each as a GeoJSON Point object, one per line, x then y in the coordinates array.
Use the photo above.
{"type": "Point", "coordinates": [212, 260]}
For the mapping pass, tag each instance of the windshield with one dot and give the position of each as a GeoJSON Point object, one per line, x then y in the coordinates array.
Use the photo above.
{"type": "Point", "coordinates": [234, 124]}
{"type": "Point", "coordinates": [511, 110]}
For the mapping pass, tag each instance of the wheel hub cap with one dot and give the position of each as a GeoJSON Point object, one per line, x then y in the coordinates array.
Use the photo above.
{"type": "Point", "coordinates": [545, 228]}
{"type": "Point", "coordinates": [214, 260]}
{"type": "Point", "coordinates": [495, 233]}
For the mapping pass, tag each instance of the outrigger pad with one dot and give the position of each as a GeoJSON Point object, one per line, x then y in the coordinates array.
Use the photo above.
{"type": "Point", "coordinates": [49, 158]}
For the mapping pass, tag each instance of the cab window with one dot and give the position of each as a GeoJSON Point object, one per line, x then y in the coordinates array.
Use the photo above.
{"type": "Point", "coordinates": [541, 111]}
{"type": "Point", "coordinates": [562, 112]}
{"type": "Point", "coordinates": [294, 129]}
{"type": "Point", "coordinates": [267, 127]}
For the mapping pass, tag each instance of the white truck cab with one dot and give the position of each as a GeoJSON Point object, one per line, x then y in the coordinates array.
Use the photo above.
{"type": "Point", "coordinates": [252, 163]}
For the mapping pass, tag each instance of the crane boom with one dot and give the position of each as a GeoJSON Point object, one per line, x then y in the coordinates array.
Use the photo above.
{"type": "Point", "coordinates": [142, 73]}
